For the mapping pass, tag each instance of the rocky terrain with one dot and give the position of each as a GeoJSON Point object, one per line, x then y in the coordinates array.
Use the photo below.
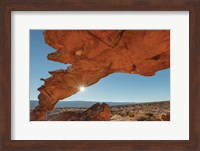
{"type": "Point", "coordinates": [95, 54]}
{"type": "Point", "coordinates": [155, 111]}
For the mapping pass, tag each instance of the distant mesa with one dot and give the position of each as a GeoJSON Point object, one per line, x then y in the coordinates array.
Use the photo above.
{"type": "Point", "coordinates": [78, 104]}
{"type": "Point", "coordinates": [95, 54]}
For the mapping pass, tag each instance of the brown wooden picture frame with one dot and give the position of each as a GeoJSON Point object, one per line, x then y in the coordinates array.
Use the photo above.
{"type": "Point", "coordinates": [7, 6]}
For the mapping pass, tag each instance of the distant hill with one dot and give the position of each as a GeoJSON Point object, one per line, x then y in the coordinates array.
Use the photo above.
{"type": "Point", "coordinates": [61, 104]}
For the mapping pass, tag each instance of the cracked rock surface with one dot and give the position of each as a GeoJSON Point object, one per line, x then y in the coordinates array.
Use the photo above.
{"type": "Point", "coordinates": [94, 54]}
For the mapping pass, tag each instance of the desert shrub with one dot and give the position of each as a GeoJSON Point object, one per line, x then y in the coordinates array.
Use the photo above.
{"type": "Point", "coordinates": [117, 113]}
{"type": "Point", "coordinates": [122, 113]}
{"type": "Point", "coordinates": [165, 117]}
{"type": "Point", "coordinates": [141, 118]}
{"type": "Point", "coordinates": [131, 114]}
{"type": "Point", "coordinates": [149, 114]}
{"type": "Point", "coordinates": [162, 116]}
{"type": "Point", "coordinates": [114, 113]}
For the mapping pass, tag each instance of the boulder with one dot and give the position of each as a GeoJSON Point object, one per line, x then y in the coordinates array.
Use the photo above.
{"type": "Point", "coordinates": [97, 112]}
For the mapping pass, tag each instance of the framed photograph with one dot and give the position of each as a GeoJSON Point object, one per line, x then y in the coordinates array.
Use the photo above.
{"type": "Point", "coordinates": [92, 75]}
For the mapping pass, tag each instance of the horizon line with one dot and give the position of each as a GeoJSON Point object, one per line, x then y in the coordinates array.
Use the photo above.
{"type": "Point", "coordinates": [110, 101]}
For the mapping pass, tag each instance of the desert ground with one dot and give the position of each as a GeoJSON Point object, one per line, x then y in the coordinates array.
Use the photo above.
{"type": "Point", "coordinates": [154, 111]}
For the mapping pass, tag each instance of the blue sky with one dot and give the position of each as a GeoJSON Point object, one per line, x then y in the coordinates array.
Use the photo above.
{"type": "Point", "coordinates": [117, 87]}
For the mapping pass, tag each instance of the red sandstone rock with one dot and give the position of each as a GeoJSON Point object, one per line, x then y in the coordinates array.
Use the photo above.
{"type": "Point", "coordinates": [94, 54]}
{"type": "Point", "coordinates": [98, 112]}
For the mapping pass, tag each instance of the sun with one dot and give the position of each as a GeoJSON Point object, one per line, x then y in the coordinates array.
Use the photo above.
{"type": "Point", "coordinates": [82, 88]}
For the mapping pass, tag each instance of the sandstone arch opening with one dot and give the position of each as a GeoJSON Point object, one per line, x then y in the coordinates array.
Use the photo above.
{"type": "Point", "coordinates": [95, 54]}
